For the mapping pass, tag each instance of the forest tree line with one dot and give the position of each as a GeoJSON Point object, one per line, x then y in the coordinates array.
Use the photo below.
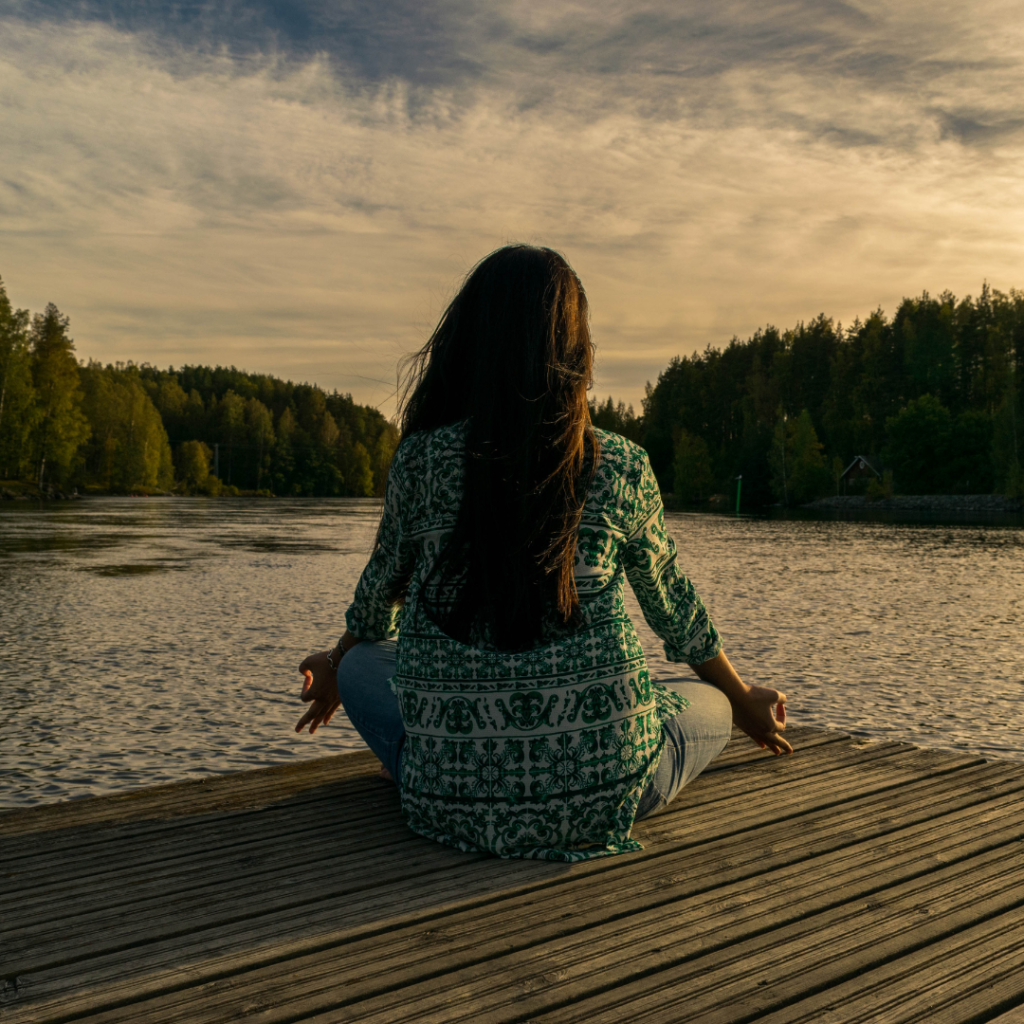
{"type": "Point", "coordinates": [931, 397]}
{"type": "Point", "coordinates": [197, 430]}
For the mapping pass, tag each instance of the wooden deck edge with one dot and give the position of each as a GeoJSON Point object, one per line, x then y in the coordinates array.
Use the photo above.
{"type": "Point", "coordinates": [255, 787]}
{"type": "Point", "coordinates": [212, 793]}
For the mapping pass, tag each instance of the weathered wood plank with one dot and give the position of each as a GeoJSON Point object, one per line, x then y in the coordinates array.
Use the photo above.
{"type": "Point", "coordinates": [249, 789]}
{"type": "Point", "coordinates": [199, 796]}
{"type": "Point", "coordinates": [1014, 1016]}
{"type": "Point", "coordinates": [691, 823]}
{"type": "Point", "coordinates": [169, 820]}
{"type": "Point", "coordinates": [249, 848]}
{"type": "Point", "coordinates": [358, 971]}
{"type": "Point", "coordinates": [967, 975]}
{"type": "Point", "coordinates": [744, 780]}
{"type": "Point", "coordinates": [185, 904]}
{"type": "Point", "coordinates": [182, 814]}
{"type": "Point", "coordinates": [352, 798]}
{"type": "Point", "coordinates": [224, 856]}
{"type": "Point", "coordinates": [133, 922]}
{"type": "Point", "coordinates": [875, 813]}
{"type": "Point", "coordinates": [737, 980]}
{"type": "Point", "coordinates": [368, 801]}
{"type": "Point", "coordinates": [169, 907]}
{"type": "Point", "coordinates": [742, 751]}
{"type": "Point", "coordinates": [219, 844]}
{"type": "Point", "coordinates": [779, 803]}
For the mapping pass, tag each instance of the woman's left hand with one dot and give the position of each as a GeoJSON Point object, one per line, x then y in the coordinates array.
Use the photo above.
{"type": "Point", "coordinates": [759, 711]}
{"type": "Point", "coordinates": [319, 690]}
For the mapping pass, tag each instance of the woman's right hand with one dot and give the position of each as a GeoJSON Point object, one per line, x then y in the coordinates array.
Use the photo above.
{"type": "Point", "coordinates": [319, 690]}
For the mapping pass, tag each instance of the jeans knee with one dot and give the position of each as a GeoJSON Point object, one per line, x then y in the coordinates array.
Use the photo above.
{"type": "Point", "coordinates": [350, 665]}
{"type": "Point", "coordinates": [721, 709]}
{"type": "Point", "coordinates": [363, 686]}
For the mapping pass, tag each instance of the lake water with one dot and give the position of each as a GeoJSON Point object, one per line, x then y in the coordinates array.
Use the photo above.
{"type": "Point", "coordinates": [144, 641]}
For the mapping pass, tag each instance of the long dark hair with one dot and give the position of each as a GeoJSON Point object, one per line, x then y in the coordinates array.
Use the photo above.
{"type": "Point", "coordinates": [511, 356]}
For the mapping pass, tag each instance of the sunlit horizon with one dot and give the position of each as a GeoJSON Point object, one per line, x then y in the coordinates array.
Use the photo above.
{"type": "Point", "coordinates": [301, 195]}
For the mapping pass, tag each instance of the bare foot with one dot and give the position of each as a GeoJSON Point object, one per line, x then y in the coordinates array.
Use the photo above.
{"type": "Point", "coordinates": [385, 774]}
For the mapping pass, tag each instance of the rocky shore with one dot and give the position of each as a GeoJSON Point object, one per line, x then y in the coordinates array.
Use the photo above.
{"type": "Point", "coordinates": [34, 494]}
{"type": "Point", "coordinates": [921, 503]}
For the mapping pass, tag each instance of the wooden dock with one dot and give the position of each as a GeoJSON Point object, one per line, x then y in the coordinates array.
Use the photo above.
{"type": "Point", "coordinates": [855, 881]}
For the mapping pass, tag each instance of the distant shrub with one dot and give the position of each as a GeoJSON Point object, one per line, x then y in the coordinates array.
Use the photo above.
{"type": "Point", "coordinates": [879, 489]}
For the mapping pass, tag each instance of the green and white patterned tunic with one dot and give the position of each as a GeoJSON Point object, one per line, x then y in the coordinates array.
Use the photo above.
{"type": "Point", "coordinates": [541, 753]}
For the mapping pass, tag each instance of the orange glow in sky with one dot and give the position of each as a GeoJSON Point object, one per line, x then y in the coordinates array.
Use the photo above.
{"type": "Point", "coordinates": [301, 196]}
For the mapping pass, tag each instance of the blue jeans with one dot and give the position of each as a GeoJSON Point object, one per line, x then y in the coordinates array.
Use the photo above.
{"type": "Point", "coordinates": [692, 739]}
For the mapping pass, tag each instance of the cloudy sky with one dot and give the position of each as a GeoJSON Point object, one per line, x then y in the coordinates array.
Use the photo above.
{"type": "Point", "coordinates": [297, 188]}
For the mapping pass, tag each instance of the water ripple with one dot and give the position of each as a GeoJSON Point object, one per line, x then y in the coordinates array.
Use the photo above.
{"type": "Point", "coordinates": [149, 641]}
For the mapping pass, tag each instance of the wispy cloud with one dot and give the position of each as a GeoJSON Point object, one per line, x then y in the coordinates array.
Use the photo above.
{"type": "Point", "coordinates": [296, 188]}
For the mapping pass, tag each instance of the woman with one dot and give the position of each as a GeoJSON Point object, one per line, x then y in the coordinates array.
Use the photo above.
{"type": "Point", "coordinates": [515, 709]}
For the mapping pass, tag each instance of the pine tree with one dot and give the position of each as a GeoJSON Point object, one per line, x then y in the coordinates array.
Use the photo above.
{"type": "Point", "coordinates": [1008, 445]}
{"type": "Point", "coordinates": [799, 471]}
{"type": "Point", "coordinates": [259, 429]}
{"type": "Point", "coordinates": [918, 446]}
{"type": "Point", "coordinates": [17, 394]}
{"type": "Point", "coordinates": [128, 449]}
{"type": "Point", "coordinates": [231, 426]}
{"type": "Point", "coordinates": [692, 468]}
{"type": "Point", "coordinates": [60, 428]}
{"type": "Point", "coordinates": [194, 466]}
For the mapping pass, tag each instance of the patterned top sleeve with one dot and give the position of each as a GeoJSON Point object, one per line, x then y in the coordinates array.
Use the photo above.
{"type": "Point", "coordinates": [667, 598]}
{"type": "Point", "coordinates": [376, 610]}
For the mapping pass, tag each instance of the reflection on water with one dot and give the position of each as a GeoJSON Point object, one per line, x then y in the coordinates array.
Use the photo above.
{"type": "Point", "coordinates": [133, 569]}
{"type": "Point", "coordinates": [146, 641]}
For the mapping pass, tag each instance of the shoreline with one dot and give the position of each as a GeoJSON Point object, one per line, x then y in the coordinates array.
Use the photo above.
{"type": "Point", "coordinates": [11, 490]}
{"type": "Point", "coordinates": [919, 503]}
{"type": "Point", "coordinates": [27, 492]}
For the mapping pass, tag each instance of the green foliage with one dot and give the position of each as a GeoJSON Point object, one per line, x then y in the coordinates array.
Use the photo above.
{"type": "Point", "coordinates": [229, 418]}
{"type": "Point", "coordinates": [194, 468]}
{"type": "Point", "coordinates": [60, 428]}
{"type": "Point", "coordinates": [799, 472]}
{"type": "Point", "coordinates": [970, 454]}
{"type": "Point", "coordinates": [692, 478]}
{"type": "Point", "coordinates": [880, 489]}
{"type": "Point", "coordinates": [837, 471]}
{"type": "Point", "coordinates": [294, 439]}
{"type": "Point", "coordinates": [128, 448]}
{"type": "Point", "coordinates": [1014, 482]}
{"type": "Point", "coordinates": [966, 354]}
{"type": "Point", "coordinates": [357, 470]}
{"type": "Point", "coordinates": [1008, 444]}
{"type": "Point", "coordinates": [17, 392]}
{"type": "Point", "coordinates": [259, 429]}
{"type": "Point", "coordinates": [617, 418]}
{"type": "Point", "coordinates": [918, 444]}
{"type": "Point", "coordinates": [380, 459]}
{"type": "Point", "coordinates": [932, 452]}
{"type": "Point", "coordinates": [126, 427]}
{"type": "Point", "coordinates": [934, 391]}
